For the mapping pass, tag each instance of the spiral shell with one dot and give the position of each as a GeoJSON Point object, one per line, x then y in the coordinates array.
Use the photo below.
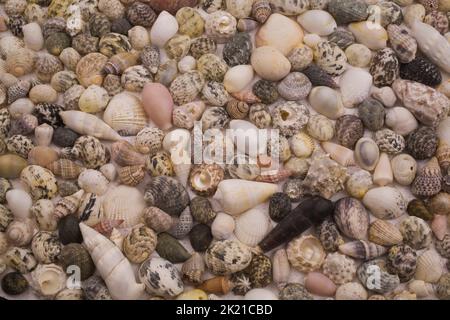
{"type": "Point", "coordinates": [46, 247]}
{"type": "Point", "coordinates": [202, 46]}
{"type": "Point", "coordinates": [220, 26]}
{"type": "Point", "coordinates": [20, 232]}
{"type": "Point", "coordinates": [18, 90]}
{"type": "Point", "coordinates": [320, 128]}
{"type": "Point", "coordinates": [91, 151]}
{"type": "Point", "coordinates": [85, 44]}
{"type": "Point", "coordinates": [305, 253]}
{"type": "Point", "coordinates": [89, 69]}
{"type": "Point", "coordinates": [186, 87]}
{"type": "Point", "coordinates": [227, 256]}
{"type": "Point", "coordinates": [139, 244]}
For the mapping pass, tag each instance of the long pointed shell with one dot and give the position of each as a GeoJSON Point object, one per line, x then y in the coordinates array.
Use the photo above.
{"type": "Point", "coordinates": [112, 265]}
{"type": "Point", "coordinates": [88, 124]}
{"type": "Point", "coordinates": [68, 205]}
{"type": "Point", "coordinates": [362, 249]}
{"type": "Point", "coordinates": [237, 196]}
{"type": "Point", "coordinates": [252, 226]}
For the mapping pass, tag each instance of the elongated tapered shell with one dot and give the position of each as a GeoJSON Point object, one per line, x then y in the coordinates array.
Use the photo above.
{"type": "Point", "coordinates": [338, 153]}
{"type": "Point", "coordinates": [88, 124]}
{"type": "Point", "coordinates": [362, 249]}
{"type": "Point", "coordinates": [384, 233]}
{"type": "Point", "coordinates": [68, 205]}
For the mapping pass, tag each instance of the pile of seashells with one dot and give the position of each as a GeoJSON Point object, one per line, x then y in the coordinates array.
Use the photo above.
{"type": "Point", "coordinates": [100, 99]}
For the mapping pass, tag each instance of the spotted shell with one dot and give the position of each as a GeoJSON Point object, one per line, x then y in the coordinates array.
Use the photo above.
{"type": "Point", "coordinates": [390, 142]}
{"type": "Point", "coordinates": [205, 178]}
{"type": "Point", "coordinates": [141, 14]}
{"type": "Point", "coordinates": [300, 58]}
{"type": "Point", "coordinates": [438, 20]}
{"type": "Point", "coordinates": [70, 57]}
{"type": "Point", "coordinates": [85, 43]}
{"type": "Point", "coordinates": [422, 143]}
{"type": "Point", "coordinates": [150, 58]}
{"type": "Point", "coordinates": [18, 90]}
{"type": "Point", "coordinates": [41, 181]}
{"type": "Point", "coordinates": [349, 129]}
{"type": "Point", "coordinates": [266, 91]}
{"type": "Point", "coordinates": [114, 43]}
{"type": "Point", "coordinates": [421, 70]}
{"type": "Point", "coordinates": [339, 268]}
{"type": "Point", "coordinates": [220, 26]}
{"type": "Point", "coordinates": [160, 164]}
{"type": "Point", "coordinates": [201, 46]}
{"type": "Point", "coordinates": [227, 256]}
{"type": "Point", "coordinates": [90, 151]}
{"type": "Point", "coordinates": [19, 144]}
{"type": "Point", "coordinates": [186, 87]}
{"type": "Point", "coordinates": [215, 94]}
{"type": "Point", "coordinates": [149, 140]}
{"type": "Point", "coordinates": [428, 180]}
{"type": "Point", "coordinates": [178, 47]}
{"type": "Point", "coordinates": [46, 247]}
{"type": "Point", "coordinates": [402, 260]}
{"type": "Point", "coordinates": [402, 42]}
{"type": "Point", "coordinates": [290, 117]}
{"type": "Point", "coordinates": [46, 66]}
{"type": "Point", "coordinates": [330, 58]}
{"type": "Point", "coordinates": [305, 253]}
{"type": "Point", "coordinates": [190, 21]}
{"type": "Point", "coordinates": [416, 232]}
{"type": "Point", "coordinates": [212, 67]}
{"type": "Point", "coordinates": [384, 67]}
{"type": "Point", "coordinates": [215, 117]}
{"type": "Point", "coordinates": [386, 283]}
{"type": "Point", "coordinates": [20, 259]}
{"type": "Point", "coordinates": [99, 25]}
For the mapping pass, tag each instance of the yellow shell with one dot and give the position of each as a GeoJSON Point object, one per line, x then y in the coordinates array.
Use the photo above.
{"type": "Point", "coordinates": [41, 181]}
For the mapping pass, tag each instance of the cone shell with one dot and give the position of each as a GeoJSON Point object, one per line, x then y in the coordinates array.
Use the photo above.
{"type": "Point", "coordinates": [193, 268]}
{"type": "Point", "coordinates": [68, 205]}
{"type": "Point", "coordinates": [305, 253]}
{"type": "Point", "coordinates": [351, 218]}
{"type": "Point", "coordinates": [428, 181]}
{"type": "Point", "coordinates": [226, 257]}
{"type": "Point", "coordinates": [384, 233]}
{"type": "Point", "coordinates": [252, 226]}
{"type": "Point", "coordinates": [362, 249]}
{"type": "Point", "coordinates": [338, 153]}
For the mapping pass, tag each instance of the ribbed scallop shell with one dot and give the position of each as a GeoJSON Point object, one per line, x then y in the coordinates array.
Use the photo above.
{"type": "Point", "coordinates": [227, 256]}
{"type": "Point", "coordinates": [46, 247]}
{"type": "Point", "coordinates": [429, 267]}
{"type": "Point", "coordinates": [252, 226]}
{"type": "Point", "coordinates": [384, 233]}
{"type": "Point", "coordinates": [186, 87]}
{"type": "Point", "coordinates": [124, 203]}
{"type": "Point", "coordinates": [89, 69]}
{"type": "Point", "coordinates": [10, 44]}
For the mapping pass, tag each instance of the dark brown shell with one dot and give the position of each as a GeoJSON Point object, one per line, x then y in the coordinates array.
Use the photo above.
{"type": "Point", "coordinates": [259, 271]}
{"type": "Point", "coordinates": [200, 237]}
{"type": "Point", "coordinates": [171, 6]}
{"type": "Point", "coordinates": [171, 249]}
{"type": "Point", "coordinates": [319, 77]}
{"type": "Point", "coordinates": [349, 129]}
{"type": "Point", "coordinates": [201, 210]}
{"type": "Point", "coordinates": [422, 143]}
{"type": "Point", "coordinates": [384, 67]}
{"type": "Point", "coordinates": [99, 25]}
{"type": "Point", "coordinates": [75, 254]}
{"type": "Point", "coordinates": [167, 194]}
{"type": "Point", "coordinates": [141, 14]}
{"type": "Point", "coordinates": [69, 230]}
{"type": "Point", "coordinates": [201, 46]}
{"type": "Point", "coordinates": [279, 206]}
{"type": "Point", "coordinates": [421, 70]}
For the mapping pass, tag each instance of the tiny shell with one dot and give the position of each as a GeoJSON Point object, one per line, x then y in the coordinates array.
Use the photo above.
{"type": "Point", "coordinates": [290, 117]}
{"type": "Point", "coordinates": [393, 206]}
{"type": "Point", "coordinates": [326, 101]}
{"type": "Point", "coordinates": [46, 247]}
{"type": "Point", "coordinates": [139, 37]}
{"type": "Point", "coordinates": [48, 279]}
{"type": "Point", "coordinates": [252, 226]}
{"type": "Point", "coordinates": [32, 35]}
{"type": "Point", "coordinates": [362, 249]}
{"type": "Point", "coordinates": [417, 208]}
{"type": "Point", "coordinates": [220, 26]}
{"type": "Point", "coordinates": [319, 284]}
{"type": "Point", "coordinates": [89, 69]}
{"type": "Point", "coordinates": [164, 28]}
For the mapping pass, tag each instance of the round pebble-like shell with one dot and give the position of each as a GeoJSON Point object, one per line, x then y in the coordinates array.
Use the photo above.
{"type": "Point", "coordinates": [416, 232]}
{"type": "Point", "coordinates": [351, 218]}
{"type": "Point", "coordinates": [339, 268]}
{"type": "Point", "coordinates": [139, 244]}
{"type": "Point", "coordinates": [404, 168]}
{"type": "Point", "coordinates": [290, 117]}
{"type": "Point", "coordinates": [320, 127]}
{"type": "Point", "coordinates": [422, 143]}
{"type": "Point", "coordinates": [402, 260]}
{"type": "Point", "coordinates": [227, 256]}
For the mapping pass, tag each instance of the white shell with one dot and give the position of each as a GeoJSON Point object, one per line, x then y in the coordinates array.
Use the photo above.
{"type": "Point", "coordinates": [355, 87]}
{"type": "Point", "coordinates": [186, 64]}
{"type": "Point", "coordinates": [392, 206]}
{"type": "Point", "coordinates": [385, 95]}
{"type": "Point", "coordinates": [48, 279]}
{"type": "Point", "coordinates": [370, 34]}
{"type": "Point", "coordinates": [93, 181]}
{"type": "Point", "coordinates": [20, 107]}
{"type": "Point", "coordinates": [429, 268]}
{"type": "Point", "coordinates": [43, 135]}
{"type": "Point", "coordinates": [260, 294]}
{"type": "Point", "coordinates": [20, 232]}
{"type": "Point", "coordinates": [281, 268]}
{"type": "Point", "coordinates": [43, 212]}
{"type": "Point", "coordinates": [125, 203]}
{"type": "Point", "coordinates": [160, 277]}
{"type": "Point", "coordinates": [432, 44]}
{"type": "Point", "coordinates": [164, 28]}
{"type": "Point", "coordinates": [443, 130]}
{"type": "Point", "coordinates": [32, 36]}
{"type": "Point", "coordinates": [139, 37]}
{"type": "Point", "coordinates": [117, 237]}
{"type": "Point", "coordinates": [404, 168]}
{"type": "Point", "coordinates": [177, 139]}
{"type": "Point", "coordinates": [383, 171]}
{"type": "Point", "coordinates": [252, 226]}
{"type": "Point", "coordinates": [112, 265]}
{"type": "Point", "coordinates": [401, 120]}
{"type": "Point", "coordinates": [367, 154]}
{"type": "Point", "coordinates": [88, 124]}
{"type": "Point", "coordinates": [338, 153]}
{"type": "Point", "coordinates": [237, 78]}
{"type": "Point", "coordinates": [247, 138]}
{"type": "Point", "coordinates": [19, 202]}
{"type": "Point", "coordinates": [109, 171]}
{"type": "Point", "coordinates": [125, 114]}
{"type": "Point", "coordinates": [236, 196]}
{"type": "Point", "coordinates": [421, 288]}
{"type": "Point", "coordinates": [94, 99]}
{"type": "Point", "coordinates": [181, 163]}
{"type": "Point", "coordinates": [351, 291]}
{"type": "Point", "coordinates": [317, 21]}
{"type": "Point", "coordinates": [326, 101]}
{"type": "Point", "coordinates": [223, 226]}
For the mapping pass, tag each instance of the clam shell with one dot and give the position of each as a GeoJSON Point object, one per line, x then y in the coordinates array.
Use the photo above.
{"type": "Point", "coordinates": [393, 205]}
{"type": "Point", "coordinates": [429, 268]}
{"type": "Point", "coordinates": [384, 233]}
{"type": "Point", "coordinates": [131, 210]}
{"type": "Point", "coordinates": [252, 226]}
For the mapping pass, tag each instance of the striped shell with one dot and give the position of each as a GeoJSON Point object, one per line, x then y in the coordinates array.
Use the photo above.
{"type": "Point", "coordinates": [186, 87]}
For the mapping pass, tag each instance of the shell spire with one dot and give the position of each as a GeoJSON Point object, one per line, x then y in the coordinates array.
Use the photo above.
{"type": "Point", "coordinates": [112, 265]}
{"type": "Point", "coordinates": [68, 205]}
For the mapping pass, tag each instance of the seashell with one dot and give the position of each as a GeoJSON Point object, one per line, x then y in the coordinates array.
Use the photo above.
{"type": "Point", "coordinates": [279, 206]}
{"type": "Point", "coordinates": [20, 232]}
{"type": "Point", "coordinates": [46, 66]}
{"type": "Point", "coordinates": [32, 36]}
{"type": "Point", "coordinates": [420, 288]}
{"type": "Point", "coordinates": [348, 11]}
{"type": "Point", "coordinates": [305, 253]}
{"type": "Point", "coordinates": [173, 202]}
{"type": "Point", "coordinates": [443, 155]}
{"type": "Point", "coordinates": [25, 125]}
{"type": "Point", "coordinates": [416, 207]}
{"type": "Point", "coordinates": [296, 86]}
{"type": "Point", "coordinates": [88, 207]}
{"type": "Point", "coordinates": [99, 25]}
{"type": "Point", "coordinates": [320, 127]}
{"type": "Point", "coordinates": [215, 118]}
{"type": "Point", "coordinates": [201, 210]}
{"type": "Point", "coordinates": [93, 181]}
{"type": "Point", "coordinates": [41, 181]}
{"type": "Point", "coordinates": [18, 90]}
{"type": "Point", "coordinates": [329, 235]}
{"type": "Point", "coordinates": [349, 129]}
{"type": "Point", "coordinates": [429, 267]}
{"type": "Point", "coordinates": [212, 67]}
{"type": "Point", "coordinates": [421, 70]}
{"type": "Point", "coordinates": [339, 268]}
{"type": "Point", "coordinates": [362, 249]}
{"type": "Point", "coordinates": [220, 26]}
{"type": "Point", "coordinates": [439, 203]}
{"type": "Point", "coordinates": [150, 58]}
{"type": "Point", "coordinates": [260, 59]}
{"type": "Point", "coordinates": [237, 78]}
{"type": "Point", "coordinates": [200, 237]}
{"type": "Point", "coordinates": [190, 22]}
{"type": "Point", "coordinates": [385, 283]}
{"type": "Point", "coordinates": [384, 67]}
{"type": "Point", "coordinates": [160, 164]}
{"type": "Point", "coordinates": [326, 101]}
{"type": "Point", "coordinates": [370, 34]}
{"type": "Point", "coordinates": [439, 226]}
{"type": "Point", "coordinates": [11, 44]}
{"type": "Point", "coordinates": [238, 50]}
{"type": "Point", "coordinates": [67, 188]}
{"type": "Point", "coordinates": [366, 154]}
{"type": "Point", "coordinates": [260, 294]}
{"type": "Point", "coordinates": [94, 99]}
{"type": "Point", "coordinates": [252, 226]}
{"type": "Point", "coordinates": [106, 227]}
{"type": "Point", "coordinates": [215, 94]}
{"type": "Point", "coordinates": [15, 24]}
{"type": "Point", "coordinates": [227, 256]}
{"type": "Point", "coordinates": [167, 72]}
{"type": "Point", "coordinates": [19, 144]}
{"type": "Point", "coordinates": [431, 43]}
{"type": "Point", "coordinates": [205, 178]}
{"type": "Point", "coordinates": [46, 247]}
{"type": "Point", "coordinates": [402, 260]}
{"type": "Point", "coordinates": [72, 96]}
{"type": "Point", "coordinates": [57, 42]}
{"type": "Point", "coordinates": [438, 20]}
{"type": "Point", "coordinates": [330, 58]}
{"type": "Point", "coordinates": [289, 117]}
{"type": "Point", "coordinates": [20, 259]}
{"type": "Point", "coordinates": [193, 268]}
{"type": "Point", "coordinates": [149, 140]}
{"type": "Point", "coordinates": [318, 22]}
{"type": "Point", "coordinates": [119, 270]}
{"type": "Point", "coordinates": [178, 47]}
{"type": "Point", "coordinates": [14, 283]}
{"type": "Point", "coordinates": [338, 153]}
{"type": "Point", "coordinates": [42, 156]}
{"type": "Point", "coordinates": [85, 44]}
{"type": "Point", "coordinates": [65, 168]}
{"type": "Point", "coordinates": [16, 109]}
{"type": "Point", "coordinates": [401, 120]}
{"type": "Point", "coordinates": [186, 87]}
{"type": "Point", "coordinates": [11, 166]}
{"type": "Point", "coordinates": [266, 91]}
{"type": "Point", "coordinates": [135, 78]}
{"type": "Point", "coordinates": [182, 225]}
{"type": "Point", "coordinates": [157, 219]}
{"type": "Point", "coordinates": [355, 86]}
{"type": "Point", "coordinates": [227, 190]}
{"type": "Point", "coordinates": [280, 267]}
{"type": "Point", "coordinates": [43, 93]}
{"type": "Point", "coordinates": [385, 13]}
{"type": "Point", "coordinates": [115, 208]}
{"type": "Point", "coordinates": [390, 142]}
{"type": "Point", "coordinates": [139, 244]}
{"type": "Point", "coordinates": [95, 289]}
{"type": "Point", "coordinates": [169, 248]}
{"type": "Point", "coordinates": [392, 207]}
{"type": "Point", "coordinates": [141, 14]}
{"type": "Point", "coordinates": [89, 69]}
{"type": "Point", "coordinates": [19, 202]}
{"type": "Point", "coordinates": [384, 233]}
{"type": "Point", "coordinates": [164, 28]}
{"type": "Point", "coordinates": [223, 226]}
{"type": "Point", "coordinates": [68, 205]}
{"type": "Point", "coordinates": [91, 151]}
{"type": "Point", "coordinates": [202, 46]}
{"type": "Point", "coordinates": [75, 254]}
{"type": "Point", "coordinates": [112, 84]}
{"type": "Point", "coordinates": [428, 180]}
{"type": "Point", "coordinates": [43, 210]}
{"type": "Point", "coordinates": [358, 55]}
{"type": "Point", "coordinates": [131, 175]}
{"type": "Point", "coordinates": [5, 186]}
{"type": "Point", "coordinates": [139, 38]}
{"type": "Point", "coordinates": [168, 281]}
{"type": "Point", "coordinates": [416, 145]}
{"type": "Point", "coordinates": [351, 218]}
{"type": "Point", "coordinates": [372, 114]}
{"type": "Point", "coordinates": [443, 246]}
{"type": "Point", "coordinates": [127, 120]}
{"type": "Point", "coordinates": [89, 125]}
{"type": "Point", "coordinates": [48, 279]}
{"type": "Point", "coordinates": [186, 64]}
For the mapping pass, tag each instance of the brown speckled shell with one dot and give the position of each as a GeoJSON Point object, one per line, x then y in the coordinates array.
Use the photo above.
{"type": "Point", "coordinates": [402, 260]}
{"type": "Point", "coordinates": [422, 143]}
{"type": "Point", "coordinates": [201, 46]}
{"type": "Point", "coordinates": [205, 178]}
{"type": "Point", "coordinates": [384, 67]}
{"type": "Point", "coordinates": [349, 129]}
